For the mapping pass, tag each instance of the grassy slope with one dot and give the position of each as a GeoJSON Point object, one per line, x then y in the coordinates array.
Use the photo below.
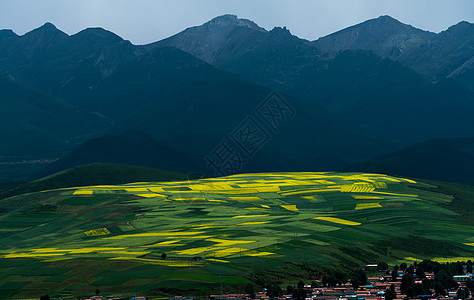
{"type": "Point", "coordinates": [41, 120]}
{"type": "Point", "coordinates": [48, 245]}
{"type": "Point", "coordinates": [449, 160]}
{"type": "Point", "coordinates": [96, 173]}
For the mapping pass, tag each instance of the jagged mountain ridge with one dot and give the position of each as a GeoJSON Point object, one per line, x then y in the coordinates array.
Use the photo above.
{"type": "Point", "coordinates": [205, 40]}
{"type": "Point", "coordinates": [385, 36]}
{"type": "Point", "coordinates": [347, 79]}
{"type": "Point", "coordinates": [169, 94]}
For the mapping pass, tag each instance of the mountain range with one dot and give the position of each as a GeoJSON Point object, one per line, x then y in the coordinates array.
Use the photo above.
{"type": "Point", "coordinates": [357, 94]}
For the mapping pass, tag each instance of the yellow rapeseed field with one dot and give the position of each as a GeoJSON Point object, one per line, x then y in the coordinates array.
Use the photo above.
{"type": "Point", "coordinates": [364, 197]}
{"type": "Point", "coordinates": [194, 251]}
{"type": "Point", "coordinates": [225, 243]}
{"type": "Point", "coordinates": [263, 253]}
{"type": "Point", "coordinates": [367, 205]}
{"type": "Point", "coordinates": [290, 207]}
{"type": "Point", "coordinates": [97, 232]}
{"type": "Point", "coordinates": [83, 192]}
{"type": "Point", "coordinates": [250, 216]}
{"type": "Point", "coordinates": [337, 220]}
{"type": "Point", "coordinates": [151, 234]}
{"type": "Point", "coordinates": [248, 198]}
{"type": "Point", "coordinates": [227, 252]}
{"type": "Point", "coordinates": [254, 223]}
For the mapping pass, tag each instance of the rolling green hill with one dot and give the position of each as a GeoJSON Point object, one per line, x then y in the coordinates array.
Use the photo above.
{"type": "Point", "coordinates": [37, 124]}
{"type": "Point", "coordinates": [94, 173]}
{"type": "Point", "coordinates": [132, 148]}
{"type": "Point", "coordinates": [68, 242]}
{"type": "Point", "coordinates": [440, 159]}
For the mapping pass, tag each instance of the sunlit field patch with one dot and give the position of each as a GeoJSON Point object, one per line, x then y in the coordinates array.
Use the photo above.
{"type": "Point", "coordinates": [409, 258]}
{"type": "Point", "coordinates": [26, 255]}
{"type": "Point", "coordinates": [452, 259]}
{"type": "Point", "coordinates": [224, 243]}
{"type": "Point", "coordinates": [226, 252]}
{"type": "Point", "coordinates": [254, 223]}
{"type": "Point", "coordinates": [250, 216]}
{"type": "Point", "coordinates": [290, 207]}
{"type": "Point", "coordinates": [168, 263]}
{"type": "Point", "coordinates": [263, 253]}
{"type": "Point", "coordinates": [244, 198]}
{"type": "Point", "coordinates": [358, 187]}
{"type": "Point", "coordinates": [137, 253]}
{"type": "Point", "coordinates": [365, 197]}
{"type": "Point", "coordinates": [83, 192]}
{"type": "Point", "coordinates": [97, 232]}
{"type": "Point", "coordinates": [151, 195]}
{"type": "Point", "coordinates": [367, 205]}
{"type": "Point", "coordinates": [203, 225]}
{"type": "Point", "coordinates": [194, 251]}
{"type": "Point", "coordinates": [172, 243]}
{"type": "Point", "coordinates": [338, 221]}
{"type": "Point", "coordinates": [217, 260]}
{"type": "Point", "coordinates": [136, 190]}
{"type": "Point", "coordinates": [152, 234]}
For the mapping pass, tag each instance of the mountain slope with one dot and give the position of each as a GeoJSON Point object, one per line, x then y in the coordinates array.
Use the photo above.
{"type": "Point", "coordinates": [168, 94]}
{"type": "Point", "coordinates": [206, 40]}
{"type": "Point", "coordinates": [131, 148]}
{"type": "Point", "coordinates": [385, 36]}
{"type": "Point", "coordinates": [37, 124]}
{"type": "Point", "coordinates": [348, 108]}
{"type": "Point", "coordinates": [435, 56]}
{"type": "Point", "coordinates": [445, 55]}
{"type": "Point", "coordinates": [62, 65]}
{"type": "Point", "coordinates": [368, 92]}
{"type": "Point", "coordinates": [97, 173]}
{"type": "Point", "coordinates": [441, 159]}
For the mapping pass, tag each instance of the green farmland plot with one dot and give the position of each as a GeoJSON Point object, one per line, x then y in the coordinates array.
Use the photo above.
{"type": "Point", "coordinates": [156, 237]}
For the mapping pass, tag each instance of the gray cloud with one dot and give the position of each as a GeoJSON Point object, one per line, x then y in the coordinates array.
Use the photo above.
{"type": "Point", "coordinates": [144, 21]}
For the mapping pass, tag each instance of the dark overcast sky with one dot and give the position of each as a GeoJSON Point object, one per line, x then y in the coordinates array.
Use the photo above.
{"type": "Point", "coordinates": [145, 21]}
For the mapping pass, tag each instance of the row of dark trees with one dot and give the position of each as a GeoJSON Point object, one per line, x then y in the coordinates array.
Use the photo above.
{"type": "Point", "coordinates": [442, 281]}
{"type": "Point", "coordinates": [357, 277]}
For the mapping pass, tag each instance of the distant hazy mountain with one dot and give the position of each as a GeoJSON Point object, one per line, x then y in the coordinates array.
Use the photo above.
{"type": "Point", "coordinates": [37, 124]}
{"type": "Point", "coordinates": [382, 97]}
{"type": "Point", "coordinates": [441, 159]}
{"type": "Point", "coordinates": [435, 56]}
{"type": "Point", "coordinates": [357, 94]}
{"type": "Point", "coordinates": [385, 36]}
{"type": "Point", "coordinates": [206, 40]}
{"type": "Point", "coordinates": [449, 54]}
{"type": "Point", "coordinates": [62, 65]}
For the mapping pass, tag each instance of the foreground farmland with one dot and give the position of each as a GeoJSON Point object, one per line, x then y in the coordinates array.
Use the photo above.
{"type": "Point", "coordinates": [71, 241]}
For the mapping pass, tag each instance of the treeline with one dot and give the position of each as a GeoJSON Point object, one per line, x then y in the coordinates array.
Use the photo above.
{"type": "Point", "coordinates": [413, 283]}
{"type": "Point", "coordinates": [318, 275]}
{"type": "Point", "coordinates": [442, 281]}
